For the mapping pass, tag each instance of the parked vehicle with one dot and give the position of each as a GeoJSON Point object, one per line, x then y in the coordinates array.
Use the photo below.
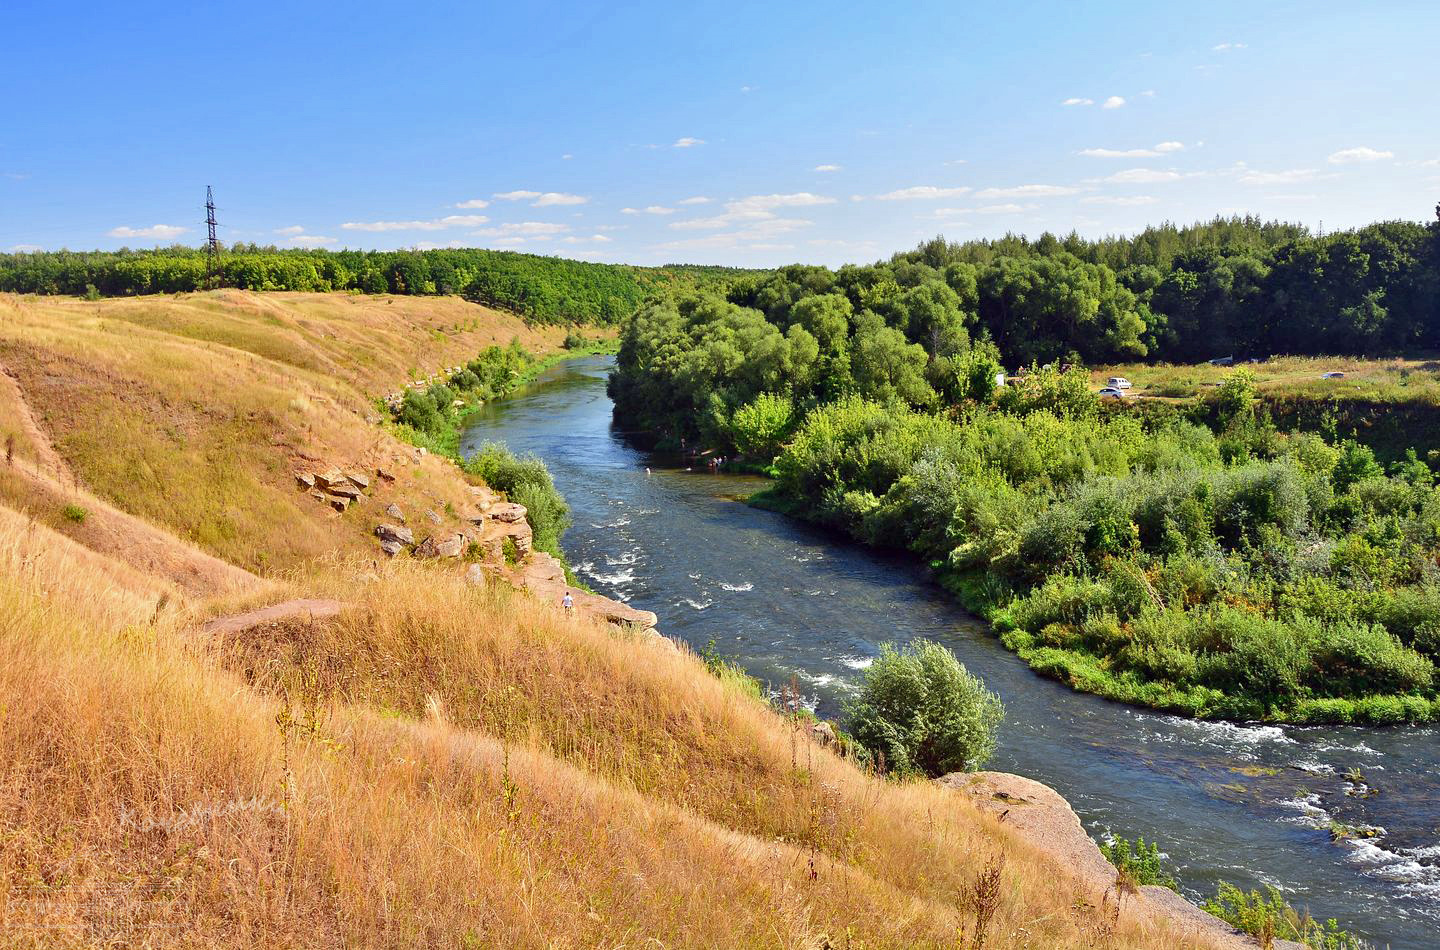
{"type": "Point", "coordinates": [1333, 374]}
{"type": "Point", "coordinates": [1119, 382]}
{"type": "Point", "coordinates": [1111, 392]}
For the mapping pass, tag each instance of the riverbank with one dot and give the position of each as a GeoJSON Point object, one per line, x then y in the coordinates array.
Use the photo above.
{"type": "Point", "coordinates": [1246, 803]}
{"type": "Point", "coordinates": [545, 778]}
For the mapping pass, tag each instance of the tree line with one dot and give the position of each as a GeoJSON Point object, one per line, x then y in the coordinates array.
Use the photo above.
{"type": "Point", "coordinates": [543, 289]}
{"type": "Point", "coordinates": [931, 327]}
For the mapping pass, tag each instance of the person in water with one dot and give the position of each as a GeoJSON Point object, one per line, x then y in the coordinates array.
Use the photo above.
{"type": "Point", "coordinates": [568, 602]}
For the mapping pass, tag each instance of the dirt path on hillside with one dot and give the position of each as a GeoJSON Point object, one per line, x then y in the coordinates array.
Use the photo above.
{"type": "Point", "coordinates": [49, 483]}
{"type": "Point", "coordinates": [45, 455]}
{"type": "Point", "coordinates": [310, 608]}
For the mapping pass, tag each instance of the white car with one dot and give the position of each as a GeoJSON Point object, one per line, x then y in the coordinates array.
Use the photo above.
{"type": "Point", "coordinates": [1111, 392]}
{"type": "Point", "coordinates": [1118, 382]}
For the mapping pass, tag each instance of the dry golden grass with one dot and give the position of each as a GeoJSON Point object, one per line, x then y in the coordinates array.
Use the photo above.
{"type": "Point", "coordinates": [440, 765]}
{"type": "Point", "coordinates": [196, 412]}
{"type": "Point", "coordinates": [298, 814]}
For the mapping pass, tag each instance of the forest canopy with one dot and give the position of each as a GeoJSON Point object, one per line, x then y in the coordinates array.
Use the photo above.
{"type": "Point", "coordinates": [931, 327]}
{"type": "Point", "coordinates": [543, 289]}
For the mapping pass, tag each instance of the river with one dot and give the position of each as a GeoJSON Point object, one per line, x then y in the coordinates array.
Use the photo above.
{"type": "Point", "coordinates": [1244, 803]}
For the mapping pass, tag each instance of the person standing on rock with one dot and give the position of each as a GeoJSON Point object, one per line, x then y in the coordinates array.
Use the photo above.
{"type": "Point", "coordinates": [567, 602]}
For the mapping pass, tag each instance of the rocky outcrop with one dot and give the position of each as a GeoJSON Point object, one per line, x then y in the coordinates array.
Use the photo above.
{"type": "Point", "coordinates": [394, 538]}
{"type": "Point", "coordinates": [443, 546]}
{"type": "Point", "coordinates": [544, 577]}
{"type": "Point", "coordinates": [500, 537]}
{"type": "Point", "coordinates": [333, 487]}
{"type": "Point", "coordinates": [1042, 817]}
{"type": "Point", "coordinates": [507, 512]}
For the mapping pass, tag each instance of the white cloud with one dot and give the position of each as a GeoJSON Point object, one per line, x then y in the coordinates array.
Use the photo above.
{"type": "Point", "coordinates": [1027, 191]}
{"type": "Point", "coordinates": [1224, 47]}
{"type": "Point", "coordinates": [1361, 153]}
{"type": "Point", "coordinates": [1164, 148]}
{"type": "Point", "coordinates": [1144, 176]}
{"type": "Point", "coordinates": [958, 161]}
{"type": "Point", "coordinates": [757, 214]}
{"type": "Point", "coordinates": [154, 231]}
{"type": "Point", "coordinates": [473, 203]}
{"type": "Point", "coordinates": [1119, 200]}
{"type": "Point", "coordinates": [311, 240]}
{"type": "Point", "coordinates": [293, 229]}
{"type": "Point", "coordinates": [1114, 102]}
{"type": "Point", "coordinates": [652, 209]}
{"type": "Point", "coordinates": [1288, 177]}
{"type": "Point", "coordinates": [1148, 93]}
{"type": "Point", "coordinates": [434, 224]}
{"type": "Point", "coordinates": [687, 142]}
{"type": "Point", "coordinates": [827, 168]}
{"type": "Point", "coordinates": [748, 88]}
{"type": "Point", "coordinates": [523, 229]}
{"type": "Point", "coordinates": [543, 199]}
{"type": "Point", "coordinates": [799, 199]}
{"type": "Point", "coordinates": [1010, 208]}
{"type": "Point", "coordinates": [1078, 101]}
{"type": "Point", "coordinates": [944, 213]}
{"type": "Point", "coordinates": [592, 239]}
{"type": "Point", "coordinates": [566, 157]}
{"type": "Point", "coordinates": [697, 200]}
{"type": "Point", "coordinates": [922, 192]}
{"type": "Point", "coordinates": [24, 248]}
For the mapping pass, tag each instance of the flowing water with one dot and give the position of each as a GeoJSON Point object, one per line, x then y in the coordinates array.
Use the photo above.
{"type": "Point", "coordinates": [1244, 803]}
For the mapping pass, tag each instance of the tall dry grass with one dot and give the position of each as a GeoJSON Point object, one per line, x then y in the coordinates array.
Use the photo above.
{"type": "Point", "coordinates": [476, 770]}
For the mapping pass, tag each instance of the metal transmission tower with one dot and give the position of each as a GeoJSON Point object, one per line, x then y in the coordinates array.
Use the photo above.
{"type": "Point", "coordinates": [212, 247]}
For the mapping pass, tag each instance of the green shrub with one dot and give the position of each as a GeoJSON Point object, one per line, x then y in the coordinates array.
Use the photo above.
{"type": "Point", "coordinates": [1140, 862]}
{"type": "Point", "coordinates": [1252, 656]}
{"type": "Point", "coordinates": [1355, 659]}
{"type": "Point", "coordinates": [1270, 915]}
{"type": "Point", "coordinates": [759, 428]}
{"type": "Point", "coordinates": [527, 482]}
{"type": "Point", "coordinates": [75, 513]}
{"type": "Point", "coordinates": [920, 712]}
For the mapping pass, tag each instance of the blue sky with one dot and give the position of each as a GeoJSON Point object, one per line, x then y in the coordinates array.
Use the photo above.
{"type": "Point", "coordinates": [734, 133]}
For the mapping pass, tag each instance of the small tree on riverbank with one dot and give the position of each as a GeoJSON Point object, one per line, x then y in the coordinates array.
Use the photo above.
{"type": "Point", "coordinates": [924, 713]}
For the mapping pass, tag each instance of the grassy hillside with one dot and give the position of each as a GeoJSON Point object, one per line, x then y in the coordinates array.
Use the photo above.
{"type": "Point", "coordinates": [195, 412]}
{"type": "Point", "coordinates": [441, 764]}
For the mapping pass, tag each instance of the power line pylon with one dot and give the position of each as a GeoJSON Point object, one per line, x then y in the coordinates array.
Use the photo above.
{"type": "Point", "coordinates": [212, 247]}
